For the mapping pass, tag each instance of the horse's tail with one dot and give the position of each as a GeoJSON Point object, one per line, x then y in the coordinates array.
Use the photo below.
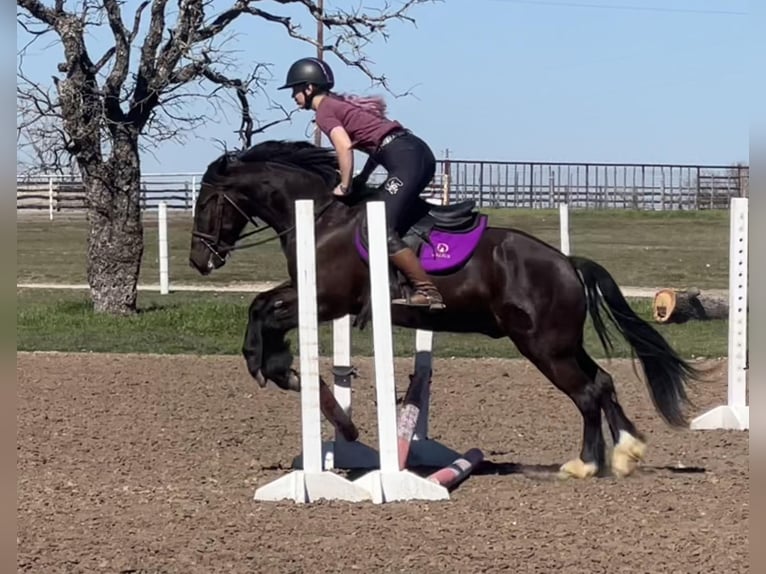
{"type": "Point", "coordinates": [666, 373]}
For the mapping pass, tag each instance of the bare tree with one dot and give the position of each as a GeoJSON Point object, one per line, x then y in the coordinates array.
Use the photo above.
{"type": "Point", "coordinates": [109, 105]}
{"type": "Point", "coordinates": [41, 144]}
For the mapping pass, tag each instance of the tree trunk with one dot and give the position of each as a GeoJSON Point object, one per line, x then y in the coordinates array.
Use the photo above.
{"type": "Point", "coordinates": [115, 230]}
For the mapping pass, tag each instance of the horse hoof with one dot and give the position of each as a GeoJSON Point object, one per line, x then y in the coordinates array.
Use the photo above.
{"type": "Point", "coordinates": [260, 379]}
{"type": "Point", "coordinates": [294, 381]}
{"type": "Point", "coordinates": [628, 452]}
{"type": "Point", "coordinates": [576, 468]}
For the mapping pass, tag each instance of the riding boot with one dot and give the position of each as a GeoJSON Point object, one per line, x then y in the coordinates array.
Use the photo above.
{"type": "Point", "coordinates": [425, 292]}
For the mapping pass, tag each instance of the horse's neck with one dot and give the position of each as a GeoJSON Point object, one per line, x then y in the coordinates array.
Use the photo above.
{"type": "Point", "coordinates": [279, 213]}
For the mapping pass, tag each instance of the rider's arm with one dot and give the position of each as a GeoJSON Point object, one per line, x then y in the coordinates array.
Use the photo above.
{"type": "Point", "coordinates": [342, 144]}
{"type": "Point", "coordinates": [368, 168]}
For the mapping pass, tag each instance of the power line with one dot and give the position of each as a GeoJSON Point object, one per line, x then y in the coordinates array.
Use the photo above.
{"type": "Point", "coordinates": [625, 7]}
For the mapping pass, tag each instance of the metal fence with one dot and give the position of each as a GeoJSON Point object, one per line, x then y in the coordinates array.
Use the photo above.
{"type": "Point", "coordinates": [491, 184]}
{"type": "Point", "coordinates": [595, 186]}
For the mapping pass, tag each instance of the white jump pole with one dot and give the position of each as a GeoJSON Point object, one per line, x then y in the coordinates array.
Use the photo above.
{"type": "Point", "coordinates": [735, 414]}
{"type": "Point", "coordinates": [339, 452]}
{"type": "Point", "coordinates": [564, 226]}
{"type": "Point", "coordinates": [389, 483]}
{"type": "Point", "coordinates": [423, 366]}
{"type": "Point", "coordinates": [162, 223]}
{"type": "Point", "coordinates": [312, 482]}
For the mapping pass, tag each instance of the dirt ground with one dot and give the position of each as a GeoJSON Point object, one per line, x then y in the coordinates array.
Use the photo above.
{"type": "Point", "coordinates": [149, 464]}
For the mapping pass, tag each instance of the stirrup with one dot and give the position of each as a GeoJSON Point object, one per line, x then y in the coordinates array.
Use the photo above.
{"type": "Point", "coordinates": [430, 302]}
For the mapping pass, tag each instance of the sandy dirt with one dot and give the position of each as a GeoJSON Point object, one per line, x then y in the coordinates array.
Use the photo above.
{"type": "Point", "coordinates": [149, 464]}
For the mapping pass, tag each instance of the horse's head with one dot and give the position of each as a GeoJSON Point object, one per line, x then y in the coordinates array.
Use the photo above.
{"type": "Point", "coordinates": [262, 182]}
{"type": "Point", "coordinates": [219, 219]}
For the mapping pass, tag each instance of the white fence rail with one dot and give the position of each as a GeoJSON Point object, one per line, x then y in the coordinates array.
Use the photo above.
{"type": "Point", "coordinates": [55, 193]}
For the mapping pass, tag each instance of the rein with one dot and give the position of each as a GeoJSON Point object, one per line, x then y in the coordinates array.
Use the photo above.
{"type": "Point", "coordinates": [213, 241]}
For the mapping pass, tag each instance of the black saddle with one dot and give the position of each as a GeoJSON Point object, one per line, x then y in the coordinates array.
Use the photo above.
{"type": "Point", "coordinates": [453, 216]}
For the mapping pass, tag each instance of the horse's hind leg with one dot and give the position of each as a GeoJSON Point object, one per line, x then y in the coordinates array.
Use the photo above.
{"type": "Point", "coordinates": [629, 443]}
{"type": "Point", "coordinates": [565, 372]}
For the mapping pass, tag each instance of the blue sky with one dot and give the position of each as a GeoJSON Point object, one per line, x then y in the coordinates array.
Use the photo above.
{"type": "Point", "coordinates": [526, 80]}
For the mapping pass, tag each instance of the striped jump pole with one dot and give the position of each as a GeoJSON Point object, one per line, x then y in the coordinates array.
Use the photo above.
{"type": "Point", "coordinates": [451, 475]}
{"type": "Point", "coordinates": [416, 449]}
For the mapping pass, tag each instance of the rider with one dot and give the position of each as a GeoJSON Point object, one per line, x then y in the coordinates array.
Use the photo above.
{"type": "Point", "coordinates": [353, 122]}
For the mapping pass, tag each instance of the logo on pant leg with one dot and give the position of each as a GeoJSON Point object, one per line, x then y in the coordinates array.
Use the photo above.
{"type": "Point", "coordinates": [393, 185]}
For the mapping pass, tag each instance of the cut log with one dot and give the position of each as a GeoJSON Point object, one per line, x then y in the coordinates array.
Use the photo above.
{"type": "Point", "coordinates": [681, 305]}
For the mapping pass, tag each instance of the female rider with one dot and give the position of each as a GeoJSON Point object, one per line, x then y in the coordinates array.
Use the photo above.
{"type": "Point", "coordinates": [353, 122]}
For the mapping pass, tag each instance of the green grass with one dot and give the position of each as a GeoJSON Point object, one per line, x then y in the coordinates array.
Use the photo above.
{"type": "Point", "coordinates": [215, 324]}
{"type": "Point", "coordinates": [668, 249]}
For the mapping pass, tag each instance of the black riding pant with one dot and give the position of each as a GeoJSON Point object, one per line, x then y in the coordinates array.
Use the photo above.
{"type": "Point", "coordinates": [411, 165]}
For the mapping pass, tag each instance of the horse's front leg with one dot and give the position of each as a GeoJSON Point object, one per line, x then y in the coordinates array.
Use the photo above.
{"type": "Point", "coordinates": [268, 357]}
{"type": "Point", "coordinates": [267, 353]}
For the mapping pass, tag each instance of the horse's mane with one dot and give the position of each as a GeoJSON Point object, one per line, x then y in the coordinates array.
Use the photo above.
{"type": "Point", "coordinates": [295, 154]}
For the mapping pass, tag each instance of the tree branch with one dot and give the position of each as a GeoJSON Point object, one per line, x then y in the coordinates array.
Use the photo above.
{"type": "Point", "coordinates": [137, 21]}
{"type": "Point", "coordinates": [42, 12]}
{"type": "Point", "coordinates": [119, 72]}
{"type": "Point", "coordinates": [176, 61]}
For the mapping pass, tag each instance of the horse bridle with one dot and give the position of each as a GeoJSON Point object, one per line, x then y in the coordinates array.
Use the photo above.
{"type": "Point", "coordinates": [213, 240]}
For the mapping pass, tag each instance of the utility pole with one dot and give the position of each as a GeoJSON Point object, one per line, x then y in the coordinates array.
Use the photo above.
{"type": "Point", "coordinates": [320, 56]}
{"type": "Point", "coordinates": [446, 173]}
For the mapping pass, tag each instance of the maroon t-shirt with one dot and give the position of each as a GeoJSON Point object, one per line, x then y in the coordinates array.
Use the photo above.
{"type": "Point", "coordinates": [365, 129]}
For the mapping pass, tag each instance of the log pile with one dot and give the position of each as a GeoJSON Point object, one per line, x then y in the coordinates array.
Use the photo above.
{"type": "Point", "coordinates": [681, 305]}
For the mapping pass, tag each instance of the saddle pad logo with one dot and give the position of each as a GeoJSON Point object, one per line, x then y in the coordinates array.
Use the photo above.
{"type": "Point", "coordinates": [442, 251]}
{"type": "Point", "coordinates": [393, 185]}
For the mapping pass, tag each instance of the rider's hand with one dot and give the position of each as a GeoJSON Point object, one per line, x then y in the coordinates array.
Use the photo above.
{"type": "Point", "coordinates": [340, 191]}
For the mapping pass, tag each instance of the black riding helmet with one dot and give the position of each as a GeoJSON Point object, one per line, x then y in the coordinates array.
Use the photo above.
{"type": "Point", "coordinates": [310, 71]}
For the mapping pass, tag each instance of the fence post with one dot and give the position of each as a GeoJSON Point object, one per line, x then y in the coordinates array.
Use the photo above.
{"type": "Point", "coordinates": [162, 222]}
{"type": "Point", "coordinates": [193, 193]}
{"type": "Point", "coordinates": [564, 226]}
{"type": "Point", "coordinates": [551, 197]}
{"type": "Point", "coordinates": [50, 198]}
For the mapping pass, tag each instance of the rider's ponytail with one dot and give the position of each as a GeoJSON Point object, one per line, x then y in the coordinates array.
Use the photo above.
{"type": "Point", "coordinates": [373, 104]}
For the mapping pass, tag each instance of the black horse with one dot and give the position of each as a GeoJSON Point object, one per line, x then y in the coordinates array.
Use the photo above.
{"type": "Point", "coordinates": [501, 283]}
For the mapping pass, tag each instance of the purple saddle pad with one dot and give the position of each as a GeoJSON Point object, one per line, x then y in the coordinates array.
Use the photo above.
{"type": "Point", "coordinates": [448, 249]}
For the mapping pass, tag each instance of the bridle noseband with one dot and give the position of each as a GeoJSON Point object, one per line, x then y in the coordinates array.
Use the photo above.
{"type": "Point", "coordinates": [213, 240]}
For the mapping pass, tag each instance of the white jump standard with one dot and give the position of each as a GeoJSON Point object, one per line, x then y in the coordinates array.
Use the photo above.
{"type": "Point", "coordinates": [399, 444]}
{"type": "Point", "coordinates": [735, 414]}
{"type": "Point", "coordinates": [313, 482]}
